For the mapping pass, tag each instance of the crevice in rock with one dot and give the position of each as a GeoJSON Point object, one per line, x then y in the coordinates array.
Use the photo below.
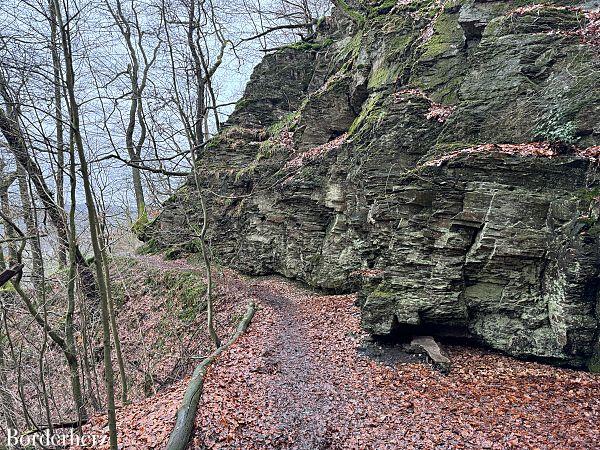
{"type": "Point", "coordinates": [473, 22]}
{"type": "Point", "coordinates": [473, 35]}
{"type": "Point", "coordinates": [403, 333]}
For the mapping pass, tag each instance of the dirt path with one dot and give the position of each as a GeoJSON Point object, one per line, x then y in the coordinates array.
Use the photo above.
{"type": "Point", "coordinates": [296, 390]}
{"type": "Point", "coordinates": [296, 380]}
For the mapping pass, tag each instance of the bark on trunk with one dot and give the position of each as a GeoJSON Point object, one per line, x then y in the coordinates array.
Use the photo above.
{"type": "Point", "coordinates": [186, 414]}
{"type": "Point", "coordinates": [60, 146]}
{"type": "Point", "coordinates": [30, 219]}
{"type": "Point", "coordinates": [113, 326]}
{"type": "Point", "coordinates": [8, 407]}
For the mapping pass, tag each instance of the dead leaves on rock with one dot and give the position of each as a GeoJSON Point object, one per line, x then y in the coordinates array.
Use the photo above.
{"type": "Point", "coordinates": [315, 153]}
{"type": "Point", "coordinates": [436, 111]}
{"type": "Point", "coordinates": [533, 149]}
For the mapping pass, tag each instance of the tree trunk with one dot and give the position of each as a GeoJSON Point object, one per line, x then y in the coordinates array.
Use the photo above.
{"type": "Point", "coordinates": [205, 256]}
{"type": "Point", "coordinates": [37, 272]}
{"type": "Point", "coordinates": [93, 224]}
{"type": "Point", "coordinates": [8, 407]}
{"type": "Point", "coordinates": [114, 327]}
{"type": "Point", "coordinates": [70, 353]}
{"type": "Point", "coordinates": [186, 414]}
{"type": "Point", "coordinates": [60, 147]}
{"type": "Point", "coordinates": [6, 180]}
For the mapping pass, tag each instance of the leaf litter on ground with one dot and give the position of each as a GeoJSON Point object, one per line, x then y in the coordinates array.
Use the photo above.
{"type": "Point", "coordinates": [296, 380]}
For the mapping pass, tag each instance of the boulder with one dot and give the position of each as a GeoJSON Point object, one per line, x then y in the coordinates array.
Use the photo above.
{"type": "Point", "coordinates": [427, 345]}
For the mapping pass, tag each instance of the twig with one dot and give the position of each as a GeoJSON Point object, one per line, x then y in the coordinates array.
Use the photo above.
{"type": "Point", "coordinates": [278, 28]}
{"type": "Point", "coordinates": [24, 238]}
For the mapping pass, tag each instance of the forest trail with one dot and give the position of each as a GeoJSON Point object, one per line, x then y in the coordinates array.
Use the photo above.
{"type": "Point", "coordinates": [299, 378]}
{"type": "Point", "coordinates": [296, 380]}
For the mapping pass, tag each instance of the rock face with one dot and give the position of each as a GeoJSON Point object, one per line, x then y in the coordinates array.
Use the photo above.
{"type": "Point", "coordinates": [439, 157]}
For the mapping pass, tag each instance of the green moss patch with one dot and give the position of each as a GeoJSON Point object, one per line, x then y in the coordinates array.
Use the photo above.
{"type": "Point", "coordinates": [180, 290]}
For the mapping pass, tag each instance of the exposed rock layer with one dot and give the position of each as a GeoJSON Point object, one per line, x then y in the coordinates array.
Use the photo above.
{"type": "Point", "coordinates": [357, 161]}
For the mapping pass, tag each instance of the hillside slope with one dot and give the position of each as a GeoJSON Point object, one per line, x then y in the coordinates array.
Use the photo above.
{"type": "Point", "coordinates": [438, 156]}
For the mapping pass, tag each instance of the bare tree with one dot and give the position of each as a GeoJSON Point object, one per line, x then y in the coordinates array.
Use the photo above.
{"type": "Point", "coordinates": [75, 131]}
{"type": "Point", "coordinates": [140, 63]}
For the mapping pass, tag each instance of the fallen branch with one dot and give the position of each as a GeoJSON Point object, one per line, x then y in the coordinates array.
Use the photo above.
{"type": "Point", "coordinates": [60, 425]}
{"type": "Point", "coordinates": [186, 414]}
{"type": "Point", "coordinates": [6, 275]}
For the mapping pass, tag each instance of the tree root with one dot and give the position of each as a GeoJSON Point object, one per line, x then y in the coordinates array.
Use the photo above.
{"type": "Point", "coordinates": [186, 414]}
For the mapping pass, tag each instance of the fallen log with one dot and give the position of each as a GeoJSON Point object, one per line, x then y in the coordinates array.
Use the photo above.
{"type": "Point", "coordinates": [6, 275]}
{"type": "Point", "coordinates": [186, 414]}
{"type": "Point", "coordinates": [55, 426]}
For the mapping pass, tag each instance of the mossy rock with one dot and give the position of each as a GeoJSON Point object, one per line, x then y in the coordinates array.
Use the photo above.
{"type": "Point", "coordinates": [489, 244]}
{"type": "Point", "coordinates": [440, 65]}
{"type": "Point", "coordinates": [369, 115]}
{"type": "Point", "coordinates": [150, 247]}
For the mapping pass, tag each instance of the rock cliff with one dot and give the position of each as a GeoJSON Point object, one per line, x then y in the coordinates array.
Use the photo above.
{"type": "Point", "coordinates": [440, 157]}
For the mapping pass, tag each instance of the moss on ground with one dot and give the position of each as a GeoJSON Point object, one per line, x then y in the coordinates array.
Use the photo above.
{"type": "Point", "coordinates": [180, 290]}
